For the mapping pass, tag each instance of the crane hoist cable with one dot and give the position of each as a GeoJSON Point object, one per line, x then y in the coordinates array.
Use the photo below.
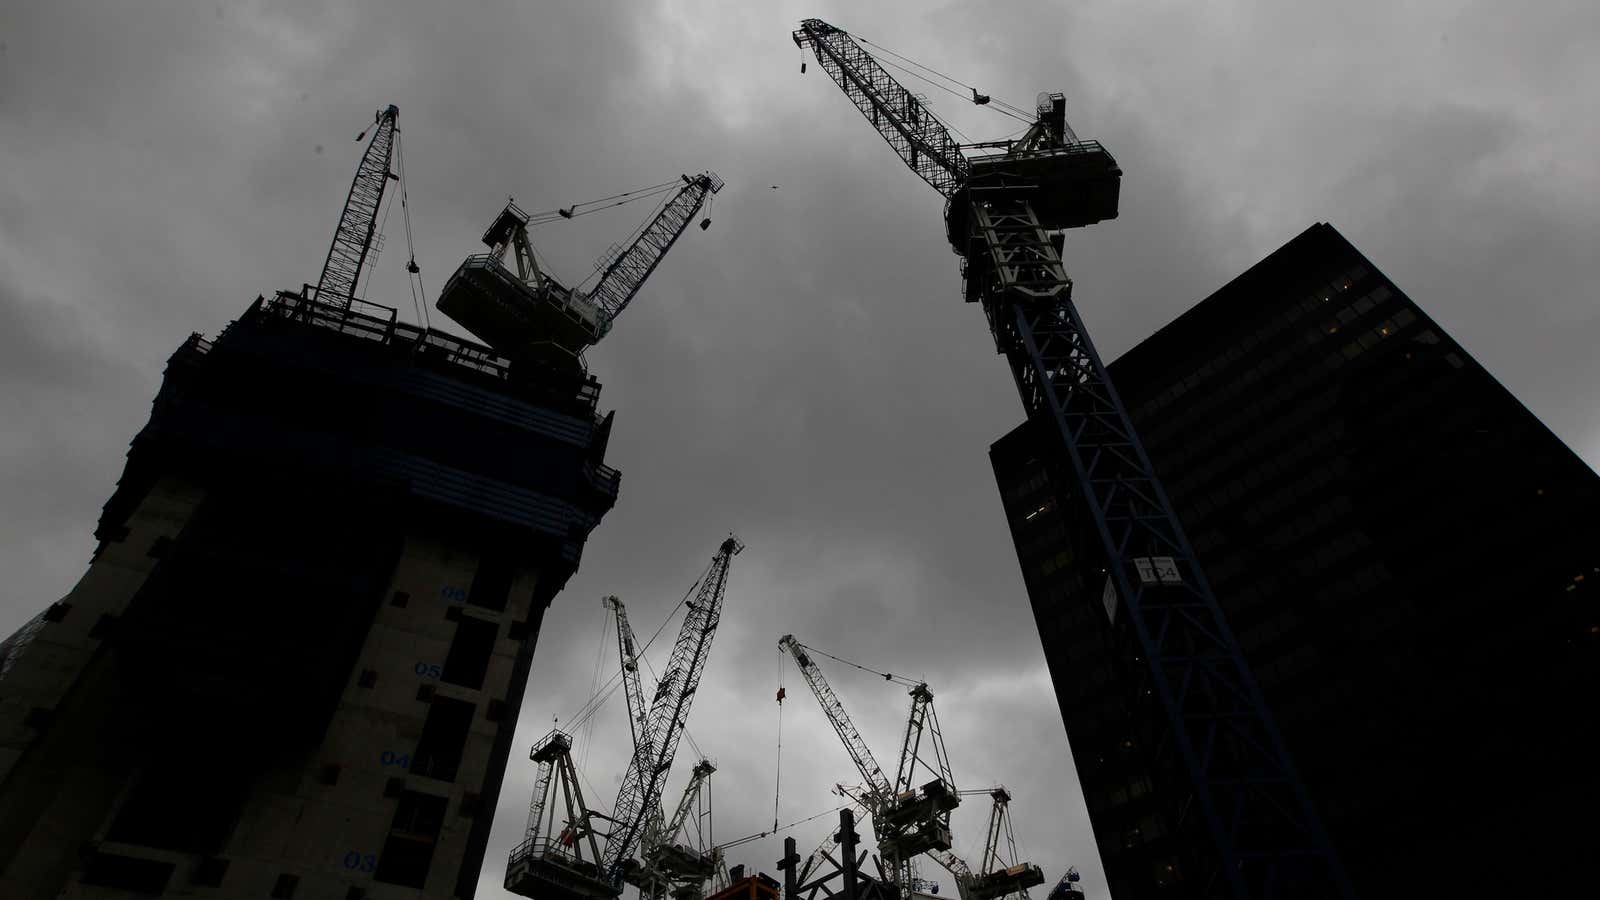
{"type": "Point", "coordinates": [593, 704]}
{"type": "Point", "coordinates": [377, 248]}
{"type": "Point", "coordinates": [997, 104]}
{"type": "Point", "coordinates": [886, 676]}
{"type": "Point", "coordinates": [594, 683]}
{"type": "Point", "coordinates": [777, 828]}
{"type": "Point", "coordinates": [413, 271]}
{"type": "Point", "coordinates": [545, 220]}
{"type": "Point", "coordinates": [605, 259]}
{"type": "Point", "coordinates": [778, 766]}
{"type": "Point", "coordinates": [572, 212]}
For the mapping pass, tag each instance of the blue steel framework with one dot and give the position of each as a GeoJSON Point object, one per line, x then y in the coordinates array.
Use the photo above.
{"type": "Point", "coordinates": [1258, 836]}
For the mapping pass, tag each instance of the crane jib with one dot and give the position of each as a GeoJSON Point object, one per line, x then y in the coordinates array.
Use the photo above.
{"type": "Point", "coordinates": [922, 141]}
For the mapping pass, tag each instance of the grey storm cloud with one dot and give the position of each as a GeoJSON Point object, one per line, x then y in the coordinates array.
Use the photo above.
{"type": "Point", "coordinates": [804, 372]}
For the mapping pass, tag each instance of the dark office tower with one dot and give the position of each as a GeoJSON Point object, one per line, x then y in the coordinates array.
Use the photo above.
{"type": "Point", "coordinates": [294, 666]}
{"type": "Point", "coordinates": [1407, 556]}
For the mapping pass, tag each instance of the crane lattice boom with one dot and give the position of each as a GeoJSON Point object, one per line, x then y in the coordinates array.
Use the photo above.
{"type": "Point", "coordinates": [353, 238]}
{"type": "Point", "coordinates": [628, 652]}
{"type": "Point", "coordinates": [640, 794]}
{"type": "Point", "coordinates": [906, 820]}
{"type": "Point", "coordinates": [833, 710]}
{"type": "Point", "coordinates": [627, 271]}
{"type": "Point", "coordinates": [905, 122]}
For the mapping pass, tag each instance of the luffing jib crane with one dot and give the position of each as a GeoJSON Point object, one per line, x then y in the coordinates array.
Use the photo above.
{"type": "Point", "coordinates": [352, 239]}
{"type": "Point", "coordinates": [542, 869]}
{"type": "Point", "coordinates": [528, 314]}
{"type": "Point", "coordinates": [1253, 832]}
{"type": "Point", "coordinates": [668, 866]}
{"type": "Point", "coordinates": [907, 819]}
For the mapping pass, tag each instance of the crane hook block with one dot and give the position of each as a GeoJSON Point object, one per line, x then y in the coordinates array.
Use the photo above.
{"type": "Point", "coordinates": [704, 224]}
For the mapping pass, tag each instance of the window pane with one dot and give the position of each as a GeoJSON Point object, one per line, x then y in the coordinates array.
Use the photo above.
{"type": "Point", "coordinates": [444, 737]}
{"type": "Point", "coordinates": [469, 655]}
{"type": "Point", "coordinates": [491, 585]}
{"type": "Point", "coordinates": [409, 850]}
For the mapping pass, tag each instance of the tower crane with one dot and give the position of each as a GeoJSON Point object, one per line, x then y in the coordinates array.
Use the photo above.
{"type": "Point", "coordinates": [668, 866]}
{"type": "Point", "coordinates": [528, 314]}
{"type": "Point", "coordinates": [1000, 872]}
{"type": "Point", "coordinates": [352, 239]}
{"type": "Point", "coordinates": [540, 870]}
{"type": "Point", "coordinates": [1253, 832]}
{"type": "Point", "coordinates": [907, 820]}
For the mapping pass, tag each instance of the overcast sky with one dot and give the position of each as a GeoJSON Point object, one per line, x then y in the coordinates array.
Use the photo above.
{"type": "Point", "coordinates": [804, 372]}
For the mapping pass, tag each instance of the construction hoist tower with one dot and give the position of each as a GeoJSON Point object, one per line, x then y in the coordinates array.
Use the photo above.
{"type": "Point", "coordinates": [1250, 827]}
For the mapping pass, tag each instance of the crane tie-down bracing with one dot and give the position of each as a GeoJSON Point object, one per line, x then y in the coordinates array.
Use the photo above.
{"type": "Point", "coordinates": [1252, 832]}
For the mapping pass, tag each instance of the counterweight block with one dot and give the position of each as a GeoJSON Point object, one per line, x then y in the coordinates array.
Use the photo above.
{"type": "Point", "coordinates": [1069, 187]}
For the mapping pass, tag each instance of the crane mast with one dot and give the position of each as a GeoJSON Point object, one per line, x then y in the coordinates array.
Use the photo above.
{"type": "Point", "coordinates": [353, 238]}
{"type": "Point", "coordinates": [1216, 748]}
{"type": "Point", "coordinates": [557, 863]}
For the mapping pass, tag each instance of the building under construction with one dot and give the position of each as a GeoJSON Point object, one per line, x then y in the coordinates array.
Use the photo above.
{"type": "Point", "coordinates": [295, 664]}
